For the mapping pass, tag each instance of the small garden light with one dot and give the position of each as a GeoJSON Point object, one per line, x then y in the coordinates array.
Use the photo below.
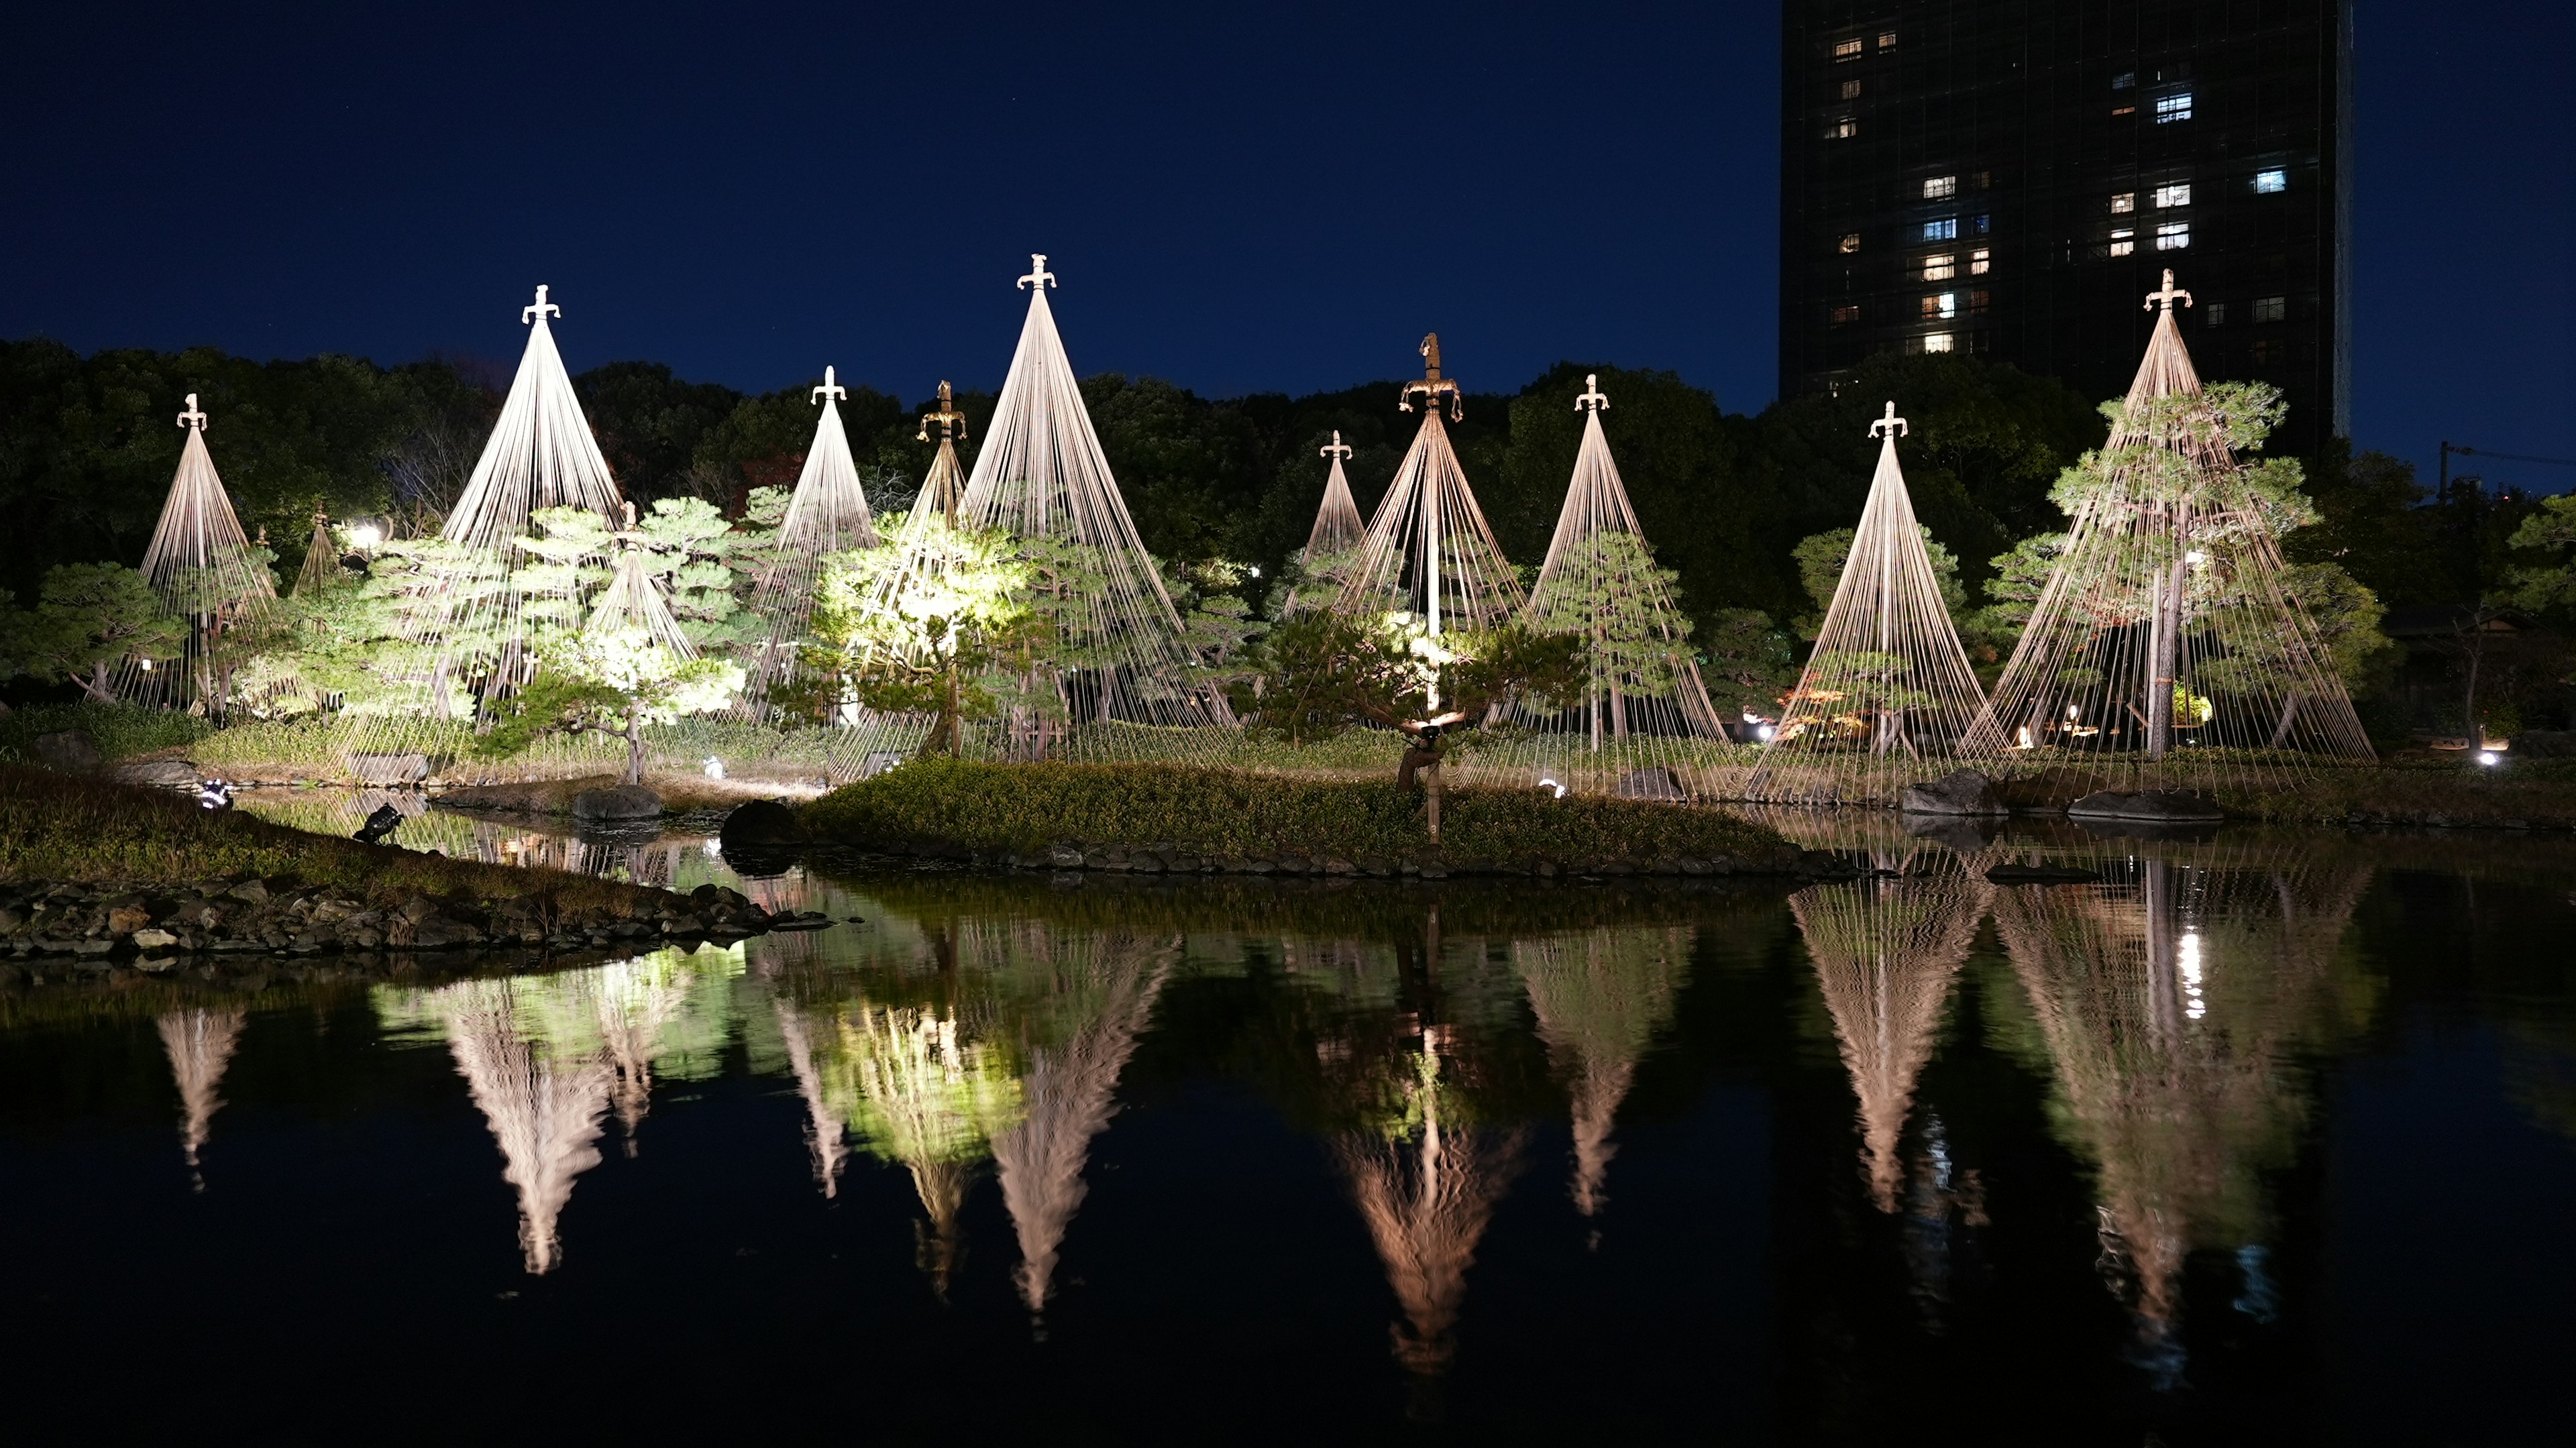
{"type": "Point", "coordinates": [366, 535]}
{"type": "Point", "coordinates": [2487, 757]}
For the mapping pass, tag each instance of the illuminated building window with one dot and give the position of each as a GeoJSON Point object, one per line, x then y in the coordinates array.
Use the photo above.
{"type": "Point", "coordinates": [2175, 107]}
{"type": "Point", "coordinates": [1846, 314]}
{"type": "Point", "coordinates": [1844, 128]}
{"type": "Point", "coordinates": [1847, 49]}
{"type": "Point", "coordinates": [1941, 304]}
{"type": "Point", "coordinates": [1946, 229]}
{"type": "Point", "coordinates": [2271, 309]}
{"type": "Point", "coordinates": [1849, 243]}
{"type": "Point", "coordinates": [2124, 202]}
{"type": "Point", "coordinates": [1887, 40]}
{"type": "Point", "coordinates": [2178, 194]}
{"type": "Point", "coordinates": [2214, 314]}
{"type": "Point", "coordinates": [1940, 267]}
{"type": "Point", "coordinates": [2173, 236]}
{"type": "Point", "coordinates": [1937, 342]}
{"type": "Point", "coordinates": [1851, 90]}
{"type": "Point", "coordinates": [2123, 241]}
{"type": "Point", "coordinates": [1936, 187]}
{"type": "Point", "coordinates": [1979, 300]}
{"type": "Point", "coordinates": [2267, 182]}
{"type": "Point", "coordinates": [1978, 262]}
{"type": "Point", "coordinates": [2124, 80]}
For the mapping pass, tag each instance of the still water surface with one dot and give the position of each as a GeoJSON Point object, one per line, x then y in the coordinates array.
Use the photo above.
{"type": "Point", "coordinates": [2263, 1137]}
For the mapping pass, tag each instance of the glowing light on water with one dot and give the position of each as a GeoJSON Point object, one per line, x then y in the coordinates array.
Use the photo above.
{"type": "Point", "coordinates": [2193, 1005]}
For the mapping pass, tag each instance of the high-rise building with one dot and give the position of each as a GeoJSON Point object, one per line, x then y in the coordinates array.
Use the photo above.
{"type": "Point", "coordinates": [2009, 178]}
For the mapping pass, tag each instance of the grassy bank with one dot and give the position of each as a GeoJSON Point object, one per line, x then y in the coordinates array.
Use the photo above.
{"type": "Point", "coordinates": [1224, 814]}
{"type": "Point", "coordinates": [54, 827]}
{"type": "Point", "coordinates": [2522, 794]}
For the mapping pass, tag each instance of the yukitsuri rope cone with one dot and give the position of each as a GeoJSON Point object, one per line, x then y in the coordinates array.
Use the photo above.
{"type": "Point", "coordinates": [1430, 557]}
{"type": "Point", "coordinates": [1133, 694]}
{"type": "Point", "coordinates": [321, 557]}
{"type": "Point", "coordinates": [1600, 997]}
{"type": "Point", "coordinates": [1885, 953]}
{"type": "Point", "coordinates": [2164, 651]}
{"type": "Point", "coordinates": [204, 571]}
{"type": "Point", "coordinates": [871, 742]}
{"type": "Point", "coordinates": [1644, 727]}
{"type": "Point", "coordinates": [2175, 998]}
{"type": "Point", "coordinates": [1338, 527]}
{"type": "Point", "coordinates": [1887, 695]}
{"type": "Point", "coordinates": [1335, 538]}
{"type": "Point", "coordinates": [827, 514]}
{"type": "Point", "coordinates": [464, 642]}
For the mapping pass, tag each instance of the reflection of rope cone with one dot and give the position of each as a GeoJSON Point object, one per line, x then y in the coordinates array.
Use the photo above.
{"type": "Point", "coordinates": [2167, 1006]}
{"type": "Point", "coordinates": [1066, 1097]}
{"type": "Point", "coordinates": [1427, 1203]}
{"type": "Point", "coordinates": [823, 1126]}
{"type": "Point", "coordinates": [918, 1092]}
{"type": "Point", "coordinates": [936, 1243]}
{"type": "Point", "coordinates": [200, 1043]}
{"type": "Point", "coordinates": [1599, 998]}
{"type": "Point", "coordinates": [544, 1113]}
{"type": "Point", "coordinates": [630, 1023]}
{"type": "Point", "coordinates": [1885, 952]}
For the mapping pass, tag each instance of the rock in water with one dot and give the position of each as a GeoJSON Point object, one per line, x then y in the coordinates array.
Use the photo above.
{"type": "Point", "coordinates": [2154, 806]}
{"type": "Point", "coordinates": [384, 769]}
{"type": "Point", "coordinates": [166, 773]}
{"type": "Point", "coordinates": [1961, 792]}
{"type": "Point", "coordinates": [763, 822]}
{"type": "Point", "coordinates": [69, 750]}
{"type": "Point", "coordinates": [622, 802]}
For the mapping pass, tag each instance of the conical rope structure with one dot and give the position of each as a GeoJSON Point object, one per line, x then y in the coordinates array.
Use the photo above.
{"type": "Point", "coordinates": [1600, 996]}
{"type": "Point", "coordinates": [200, 1043]}
{"type": "Point", "coordinates": [1887, 696]}
{"type": "Point", "coordinates": [1644, 727]}
{"type": "Point", "coordinates": [2175, 999]}
{"type": "Point", "coordinates": [465, 631]}
{"type": "Point", "coordinates": [827, 514]}
{"type": "Point", "coordinates": [321, 557]}
{"type": "Point", "coordinates": [870, 741]}
{"type": "Point", "coordinates": [1333, 542]}
{"type": "Point", "coordinates": [1430, 562]}
{"type": "Point", "coordinates": [2166, 650]}
{"type": "Point", "coordinates": [1122, 679]}
{"type": "Point", "coordinates": [1885, 954]}
{"type": "Point", "coordinates": [1338, 525]}
{"type": "Point", "coordinates": [204, 570]}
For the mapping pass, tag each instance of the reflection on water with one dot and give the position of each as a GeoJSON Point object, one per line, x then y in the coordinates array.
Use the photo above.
{"type": "Point", "coordinates": [2171, 998]}
{"type": "Point", "coordinates": [958, 1061]}
{"type": "Point", "coordinates": [200, 1043]}
{"type": "Point", "coordinates": [547, 1057]}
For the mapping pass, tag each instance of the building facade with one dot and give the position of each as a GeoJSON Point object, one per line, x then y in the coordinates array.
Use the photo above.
{"type": "Point", "coordinates": [2009, 178]}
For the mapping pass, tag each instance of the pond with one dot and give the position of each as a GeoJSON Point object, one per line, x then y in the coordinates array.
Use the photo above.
{"type": "Point", "coordinates": [2260, 1136]}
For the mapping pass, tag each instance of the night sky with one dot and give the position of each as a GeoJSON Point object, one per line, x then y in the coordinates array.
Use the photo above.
{"type": "Point", "coordinates": [1235, 201]}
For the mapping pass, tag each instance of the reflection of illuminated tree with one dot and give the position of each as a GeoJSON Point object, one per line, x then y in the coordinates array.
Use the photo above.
{"type": "Point", "coordinates": [915, 1092]}
{"type": "Point", "coordinates": [1885, 953]}
{"type": "Point", "coordinates": [544, 1056]}
{"type": "Point", "coordinates": [1426, 1183]}
{"type": "Point", "coordinates": [200, 1043]}
{"type": "Point", "coordinates": [2168, 1002]}
{"type": "Point", "coordinates": [1600, 997]}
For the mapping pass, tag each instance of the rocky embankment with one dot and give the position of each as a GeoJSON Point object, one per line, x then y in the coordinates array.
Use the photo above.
{"type": "Point", "coordinates": [1072, 855]}
{"type": "Point", "coordinates": [152, 927]}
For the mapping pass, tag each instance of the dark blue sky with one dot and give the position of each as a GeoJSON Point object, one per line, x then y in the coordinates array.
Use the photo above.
{"type": "Point", "coordinates": [1231, 201]}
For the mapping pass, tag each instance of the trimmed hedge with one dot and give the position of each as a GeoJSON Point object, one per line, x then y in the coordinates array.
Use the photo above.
{"type": "Point", "coordinates": [1025, 808]}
